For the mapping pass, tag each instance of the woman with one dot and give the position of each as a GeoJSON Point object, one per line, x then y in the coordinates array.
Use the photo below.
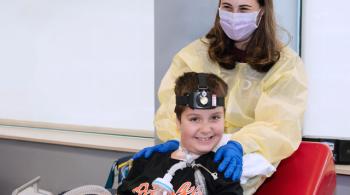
{"type": "Point", "coordinates": [267, 86]}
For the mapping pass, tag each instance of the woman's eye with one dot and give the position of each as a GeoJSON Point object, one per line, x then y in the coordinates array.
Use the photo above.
{"type": "Point", "coordinates": [246, 9]}
{"type": "Point", "coordinates": [226, 7]}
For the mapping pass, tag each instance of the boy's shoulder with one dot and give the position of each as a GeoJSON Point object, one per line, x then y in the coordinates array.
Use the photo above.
{"type": "Point", "coordinates": [155, 158]}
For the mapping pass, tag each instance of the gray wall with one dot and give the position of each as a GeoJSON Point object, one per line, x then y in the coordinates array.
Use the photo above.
{"type": "Point", "coordinates": [60, 167]}
{"type": "Point", "coordinates": [343, 185]}
{"type": "Point", "coordinates": [178, 23]}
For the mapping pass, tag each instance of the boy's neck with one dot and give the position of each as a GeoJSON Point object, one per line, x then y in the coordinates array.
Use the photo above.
{"type": "Point", "coordinates": [184, 155]}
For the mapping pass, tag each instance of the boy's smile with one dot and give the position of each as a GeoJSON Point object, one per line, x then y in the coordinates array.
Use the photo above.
{"type": "Point", "coordinates": [201, 129]}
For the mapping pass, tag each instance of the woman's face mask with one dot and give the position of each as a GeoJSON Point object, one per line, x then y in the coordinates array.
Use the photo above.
{"type": "Point", "coordinates": [238, 26]}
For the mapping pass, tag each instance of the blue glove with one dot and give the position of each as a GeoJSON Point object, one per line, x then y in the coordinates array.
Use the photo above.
{"type": "Point", "coordinates": [168, 146]}
{"type": "Point", "coordinates": [231, 155]}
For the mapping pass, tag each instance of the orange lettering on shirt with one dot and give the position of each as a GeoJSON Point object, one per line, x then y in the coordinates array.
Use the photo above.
{"type": "Point", "coordinates": [142, 189]}
{"type": "Point", "coordinates": [185, 189]}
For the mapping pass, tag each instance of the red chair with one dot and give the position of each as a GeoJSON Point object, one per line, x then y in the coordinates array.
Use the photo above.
{"type": "Point", "coordinates": [308, 171]}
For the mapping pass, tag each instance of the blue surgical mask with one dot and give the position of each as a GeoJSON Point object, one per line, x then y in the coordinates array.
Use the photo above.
{"type": "Point", "coordinates": [238, 26]}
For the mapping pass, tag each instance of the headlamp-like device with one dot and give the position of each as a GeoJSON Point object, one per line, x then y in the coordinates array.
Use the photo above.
{"type": "Point", "coordinates": [202, 98]}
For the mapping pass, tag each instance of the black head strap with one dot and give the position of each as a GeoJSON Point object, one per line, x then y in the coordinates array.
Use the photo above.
{"type": "Point", "coordinates": [202, 98]}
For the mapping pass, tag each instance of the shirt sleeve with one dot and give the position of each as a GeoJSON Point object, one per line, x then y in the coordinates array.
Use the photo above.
{"type": "Point", "coordinates": [276, 132]}
{"type": "Point", "coordinates": [134, 176]}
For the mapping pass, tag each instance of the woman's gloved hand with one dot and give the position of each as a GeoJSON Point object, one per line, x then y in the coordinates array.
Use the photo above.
{"type": "Point", "coordinates": [168, 146]}
{"type": "Point", "coordinates": [230, 156]}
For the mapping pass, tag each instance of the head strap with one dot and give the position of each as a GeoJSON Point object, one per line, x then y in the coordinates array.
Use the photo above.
{"type": "Point", "coordinates": [202, 98]}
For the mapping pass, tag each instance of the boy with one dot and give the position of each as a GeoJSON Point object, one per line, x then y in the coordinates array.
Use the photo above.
{"type": "Point", "coordinates": [190, 169]}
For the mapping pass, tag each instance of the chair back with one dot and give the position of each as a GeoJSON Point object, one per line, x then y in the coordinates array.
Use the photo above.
{"type": "Point", "coordinates": [119, 171]}
{"type": "Point", "coordinates": [310, 170]}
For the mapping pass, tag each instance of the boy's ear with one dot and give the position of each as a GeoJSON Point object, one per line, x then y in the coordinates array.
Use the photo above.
{"type": "Point", "coordinates": [178, 123]}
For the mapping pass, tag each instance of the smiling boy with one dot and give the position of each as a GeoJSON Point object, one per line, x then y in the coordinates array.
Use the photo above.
{"type": "Point", "coordinates": [200, 116]}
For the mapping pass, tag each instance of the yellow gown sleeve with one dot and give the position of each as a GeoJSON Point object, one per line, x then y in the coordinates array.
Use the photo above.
{"type": "Point", "coordinates": [165, 117]}
{"type": "Point", "coordinates": [276, 130]}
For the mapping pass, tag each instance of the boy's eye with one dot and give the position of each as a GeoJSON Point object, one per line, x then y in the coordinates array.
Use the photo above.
{"type": "Point", "coordinates": [194, 119]}
{"type": "Point", "coordinates": [216, 117]}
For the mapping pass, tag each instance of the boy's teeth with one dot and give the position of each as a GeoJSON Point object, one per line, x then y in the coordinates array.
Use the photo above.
{"type": "Point", "coordinates": [203, 138]}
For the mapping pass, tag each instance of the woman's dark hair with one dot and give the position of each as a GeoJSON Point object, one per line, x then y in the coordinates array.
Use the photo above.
{"type": "Point", "coordinates": [188, 83]}
{"type": "Point", "coordinates": [263, 49]}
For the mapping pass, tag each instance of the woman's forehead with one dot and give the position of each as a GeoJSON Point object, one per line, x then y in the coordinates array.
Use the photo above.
{"type": "Point", "coordinates": [240, 2]}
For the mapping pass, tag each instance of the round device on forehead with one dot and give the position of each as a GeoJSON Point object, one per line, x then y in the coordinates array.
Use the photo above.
{"type": "Point", "coordinates": [202, 98]}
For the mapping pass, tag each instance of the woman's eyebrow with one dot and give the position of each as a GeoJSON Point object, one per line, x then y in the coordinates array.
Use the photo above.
{"type": "Point", "coordinates": [245, 6]}
{"type": "Point", "coordinates": [226, 4]}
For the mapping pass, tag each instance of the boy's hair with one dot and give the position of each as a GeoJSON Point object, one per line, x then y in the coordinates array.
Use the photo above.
{"type": "Point", "coordinates": [188, 83]}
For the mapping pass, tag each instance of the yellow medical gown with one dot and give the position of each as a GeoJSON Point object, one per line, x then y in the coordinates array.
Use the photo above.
{"type": "Point", "coordinates": [264, 111]}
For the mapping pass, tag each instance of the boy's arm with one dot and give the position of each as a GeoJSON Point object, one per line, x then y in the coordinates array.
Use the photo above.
{"type": "Point", "coordinates": [135, 171]}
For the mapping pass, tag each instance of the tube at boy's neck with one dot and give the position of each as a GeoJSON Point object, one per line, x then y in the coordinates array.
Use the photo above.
{"type": "Point", "coordinates": [184, 155]}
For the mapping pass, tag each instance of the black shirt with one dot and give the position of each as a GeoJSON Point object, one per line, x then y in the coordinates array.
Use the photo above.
{"type": "Point", "coordinates": [145, 171]}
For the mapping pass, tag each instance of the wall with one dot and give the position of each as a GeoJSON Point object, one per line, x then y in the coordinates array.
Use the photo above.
{"type": "Point", "coordinates": [74, 58]}
{"type": "Point", "coordinates": [343, 185]}
{"type": "Point", "coordinates": [60, 167]}
{"type": "Point", "coordinates": [325, 47]}
{"type": "Point", "coordinates": [175, 29]}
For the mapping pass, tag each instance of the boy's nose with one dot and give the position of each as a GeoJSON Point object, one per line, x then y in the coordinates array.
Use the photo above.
{"type": "Point", "coordinates": [205, 128]}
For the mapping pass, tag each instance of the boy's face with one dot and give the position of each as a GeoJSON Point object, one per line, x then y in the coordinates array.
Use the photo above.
{"type": "Point", "coordinates": [201, 129]}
